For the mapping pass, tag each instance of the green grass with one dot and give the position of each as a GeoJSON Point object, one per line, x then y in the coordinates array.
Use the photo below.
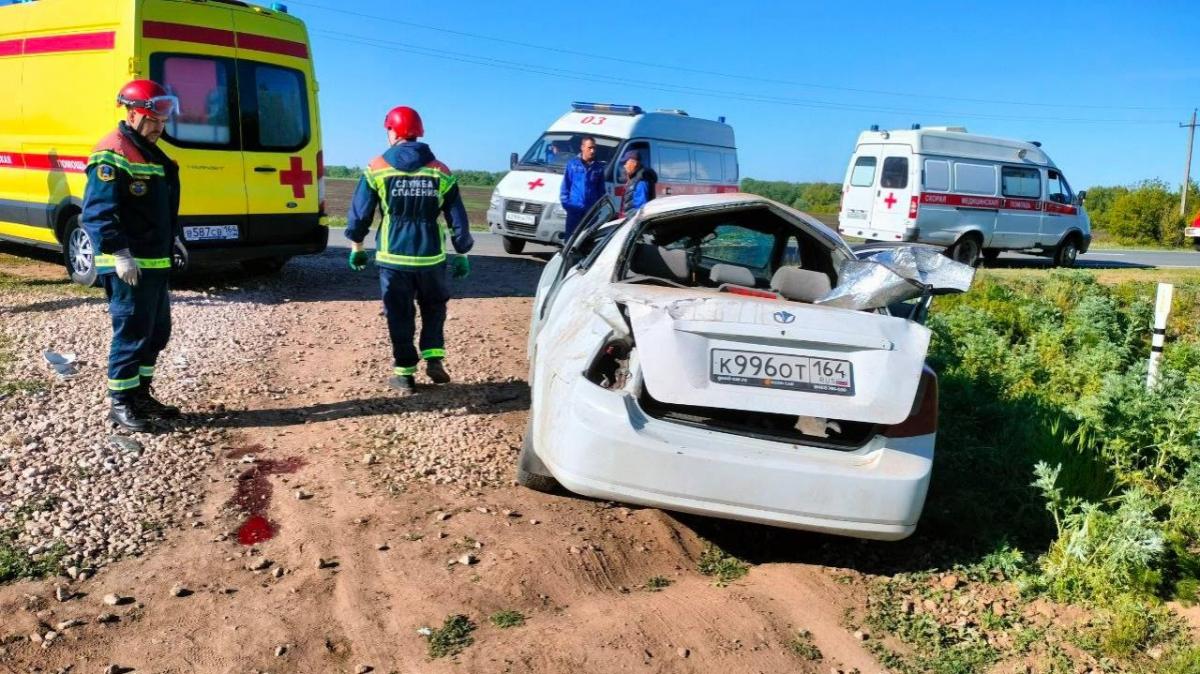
{"type": "Point", "coordinates": [657, 583]}
{"type": "Point", "coordinates": [452, 637]}
{"type": "Point", "coordinates": [507, 619]}
{"type": "Point", "coordinates": [802, 647]}
{"type": "Point", "coordinates": [721, 565]}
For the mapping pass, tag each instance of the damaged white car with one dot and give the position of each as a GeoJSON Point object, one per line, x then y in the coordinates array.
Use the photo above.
{"type": "Point", "coordinates": [729, 356]}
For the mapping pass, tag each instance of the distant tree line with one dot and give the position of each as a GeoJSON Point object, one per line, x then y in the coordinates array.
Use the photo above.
{"type": "Point", "coordinates": [474, 178]}
{"type": "Point", "coordinates": [1145, 213]}
{"type": "Point", "coordinates": [815, 198]}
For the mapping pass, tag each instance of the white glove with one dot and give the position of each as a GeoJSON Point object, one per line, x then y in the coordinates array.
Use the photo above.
{"type": "Point", "coordinates": [127, 269]}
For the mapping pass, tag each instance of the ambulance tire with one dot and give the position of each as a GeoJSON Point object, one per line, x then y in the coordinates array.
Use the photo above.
{"type": "Point", "coordinates": [966, 250]}
{"type": "Point", "coordinates": [78, 254]}
{"type": "Point", "coordinates": [1196, 243]}
{"type": "Point", "coordinates": [513, 245]}
{"type": "Point", "coordinates": [1067, 251]}
{"type": "Point", "coordinates": [990, 255]}
{"type": "Point", "coordinates": [265, 265]}
{"type": "Point", "coordinates": [531, 472]}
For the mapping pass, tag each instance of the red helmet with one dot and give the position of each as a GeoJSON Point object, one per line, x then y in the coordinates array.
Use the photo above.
{"type": "Point", "coordinates": [405, 122]}
{"type": "Point", "coordinates": [146, 97]}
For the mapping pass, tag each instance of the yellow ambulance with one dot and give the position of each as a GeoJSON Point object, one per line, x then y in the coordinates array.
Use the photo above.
{"type": "Point", "coordinates": [247, 137]}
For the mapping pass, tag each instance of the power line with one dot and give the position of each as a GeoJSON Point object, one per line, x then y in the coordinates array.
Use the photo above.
{"type": "Point", "coordinates": [713, 73]}
{"type": "Point", "coordinates": [561, 73]}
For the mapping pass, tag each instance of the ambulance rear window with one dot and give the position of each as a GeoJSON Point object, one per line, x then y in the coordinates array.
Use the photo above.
{"type": "Point", "coordinates": [274, 108]}
{"type": "Point", "coordinates": [864, 172]}
{"type": "Point", "coordinates": [204, 87]}
{"type": "Point", "coordinates": [895, 173]}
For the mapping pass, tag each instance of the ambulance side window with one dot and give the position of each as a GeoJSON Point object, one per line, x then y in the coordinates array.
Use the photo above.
{"type": "Point", "coordinates": [731, 167]}
{"type": "Point", "coordinates": [204, 85]}
{"type": "Point", "coordinates": [708, 166]}
{"type": "Point", "coordinates": [895, 173]}
{"type": "Point", "coordinates": [1057, 189]}
{"type": "Point", "coordinates": [937, 175]}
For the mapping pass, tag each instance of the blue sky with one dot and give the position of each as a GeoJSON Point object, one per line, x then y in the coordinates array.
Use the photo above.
{"type": "Point", "coordinates": [807, 77]}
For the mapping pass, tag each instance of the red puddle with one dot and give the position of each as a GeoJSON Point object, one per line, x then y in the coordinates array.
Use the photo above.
{"type": "Point", "coordinates": [253, 495]}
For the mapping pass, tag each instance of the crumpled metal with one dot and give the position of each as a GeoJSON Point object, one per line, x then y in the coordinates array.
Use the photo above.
{"type": "Point", "coordinates": [897, 275]}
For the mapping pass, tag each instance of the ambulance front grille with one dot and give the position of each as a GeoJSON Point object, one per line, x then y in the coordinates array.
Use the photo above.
{"type": "Point", "coordinates": [526, 208]}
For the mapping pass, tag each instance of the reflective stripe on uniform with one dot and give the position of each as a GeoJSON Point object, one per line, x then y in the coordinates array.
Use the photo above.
{"type": "Point", "coordinates": [146, 371]}
{"type": "Point", "coordinates": [142, 262]}
{"type": "Point", "coordinates": [405, 371]}
{"type": "Point", "coordinates": [132, 168]}
{"type": "Point", "coordinates": [124, 384]}
{"type": "Point", "coordinates": [377, 180]}
{"type": "Point", "coordinates": [433, 353]}
{"type": "Point", "coordinates": [410, 260]}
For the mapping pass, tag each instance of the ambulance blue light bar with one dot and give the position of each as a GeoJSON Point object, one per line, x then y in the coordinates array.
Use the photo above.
{"type": "Point", "coordinates": [606, 108]}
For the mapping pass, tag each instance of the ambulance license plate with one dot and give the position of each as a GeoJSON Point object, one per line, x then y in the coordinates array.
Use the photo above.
{"type": "Point", "coordinates": [211, 232]}
{"type": "Point", "coordinates": [522, 218]}
{"type": "Point", "coordinates": [782, 371]}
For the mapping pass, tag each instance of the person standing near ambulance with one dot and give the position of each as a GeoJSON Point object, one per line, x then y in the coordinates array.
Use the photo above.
{"type": "Point", "coordinates": [412, 187]}
{"type": "Point", "coordinates": [582, 185]}
{"type": "Point", "coordinates": [640, 184]}
{"type": "Point", "coordinates": [131, 214]}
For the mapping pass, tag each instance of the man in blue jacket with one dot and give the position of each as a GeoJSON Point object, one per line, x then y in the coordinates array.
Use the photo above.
{"type": "Point", "coordinates": [640, 184]}
{"type": "Point", "coordinates": [582, 185]}
{"type": "Point", "coordinates": [413, 187]}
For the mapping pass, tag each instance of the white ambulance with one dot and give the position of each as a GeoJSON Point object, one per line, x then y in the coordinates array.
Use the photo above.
{"type": "Point", "coordinates": [975, 195]}
{"type": "Point", "coordinates": [690, 156]}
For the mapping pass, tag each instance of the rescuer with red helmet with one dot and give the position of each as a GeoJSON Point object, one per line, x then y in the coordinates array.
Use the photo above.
{"type": "Point", "coordinates": [413, 188]}
{"type": "Point", "coordinates": [130, 212]}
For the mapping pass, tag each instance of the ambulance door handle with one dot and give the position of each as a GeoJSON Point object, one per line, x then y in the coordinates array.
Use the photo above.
{"type": "Point", "coordinates": [265, 169]}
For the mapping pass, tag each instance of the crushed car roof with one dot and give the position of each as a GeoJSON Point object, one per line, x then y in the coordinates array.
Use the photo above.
{"type": "Point", "coordinates": [684, 202]}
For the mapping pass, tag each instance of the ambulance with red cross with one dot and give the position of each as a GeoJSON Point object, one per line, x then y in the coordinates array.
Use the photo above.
{"type": "Point", "coordinates": [975, 195]}
{"type": "Point", "coordinates": [247, 136]}
{"type": "Point", "coordinates": [689, 154]}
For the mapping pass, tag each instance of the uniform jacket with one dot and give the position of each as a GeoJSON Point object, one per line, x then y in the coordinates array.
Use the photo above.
{"type": "Point", "coordinates": [582, 185]}
{"type": "Point", "coordinates": [639, 189]}
{"type": "Point", "coordinates": [412, 187]}
{"type": "Point", "coordinates": [131, 200]}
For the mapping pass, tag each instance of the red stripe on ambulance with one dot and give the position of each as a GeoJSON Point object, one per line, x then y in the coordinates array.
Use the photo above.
{"type": "Point", "coordinates": [53, 44]}
{"type": "Point", "coordinates": [43, 162]}
{"type": "Point", "coordinates": [165, 30]}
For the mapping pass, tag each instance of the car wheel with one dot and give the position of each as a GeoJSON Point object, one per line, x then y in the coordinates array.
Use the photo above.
{"type": "Point", "coordinates": [966, 250]}
{"type": "Point", "coordinates": [531, 472]}
{"type": "Point", "coordinates": [513, 245]}
{"type": "Point", "coordinates": [265, 265]}
{"type": "Point", "coordinates": [1066, 253]}
{"type": "Point", "coordinates": [990, 255]}
{"type": "Point", "coordinates": [79, 255]}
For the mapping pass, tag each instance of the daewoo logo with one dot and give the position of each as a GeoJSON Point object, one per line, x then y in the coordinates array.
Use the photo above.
{"type": "Point", "coordinates": [784, 317]}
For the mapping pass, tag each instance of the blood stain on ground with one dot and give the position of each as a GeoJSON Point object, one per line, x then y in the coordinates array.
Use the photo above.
{"type": "Point", "coordinates": [253, 495]}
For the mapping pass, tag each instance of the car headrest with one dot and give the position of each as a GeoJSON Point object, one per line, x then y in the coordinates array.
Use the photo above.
{"type": "Point", "coordinates": [731, 273]}
{"type": "Point", "coordinates": [800, 285]}
{"type": "Point", "coordinates": [651, 260]}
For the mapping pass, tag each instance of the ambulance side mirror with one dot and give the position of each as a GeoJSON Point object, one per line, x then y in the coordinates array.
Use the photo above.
{"type": "Point", "coordinates": [1081, 197]}
{"type": "Point", "coordinates": [512, 161]}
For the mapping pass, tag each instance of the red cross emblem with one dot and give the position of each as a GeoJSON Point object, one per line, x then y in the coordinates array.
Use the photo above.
{"type": "Point", "coordinates": [534, 184]}
{"type": "Point", "coordinates": [296, 177]}
{"type": "Point", "coordinates": [891, 200]}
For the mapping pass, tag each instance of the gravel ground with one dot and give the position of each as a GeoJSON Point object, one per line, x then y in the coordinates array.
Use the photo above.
{"type": "Point", "coordinates": [66, 486]}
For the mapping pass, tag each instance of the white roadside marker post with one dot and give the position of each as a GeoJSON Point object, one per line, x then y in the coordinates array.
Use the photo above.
{"type": "Point", "coordinates": [1162, 309]}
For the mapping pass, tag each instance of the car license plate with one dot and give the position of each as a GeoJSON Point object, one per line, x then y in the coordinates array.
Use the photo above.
{"type": "Point", "coordinates": [522, 218]}
{"type": "Point", "coordinates": [856, 214]}
{"type": "Point", "coordinates": [211, 232]}
{"type": "Point", "coordinates": [1191, 231]}
{"type": "Point", "coordinates": [782, 371]}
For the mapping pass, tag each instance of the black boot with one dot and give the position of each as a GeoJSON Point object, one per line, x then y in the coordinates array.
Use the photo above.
{"type": "Point", "coordinates": [406, 384]}
{"type": "Point", "coordinates": [125, 413]}
{"type": "Point", "coordinates": [151, 407]}
{"type": "Point", "coordinates": [436, 371]}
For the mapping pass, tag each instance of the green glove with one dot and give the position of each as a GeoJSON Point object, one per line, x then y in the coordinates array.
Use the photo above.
{"type": "Point", "coordinates": [358, 260]}
{"type": "Point", "coordinates": [460, 266]}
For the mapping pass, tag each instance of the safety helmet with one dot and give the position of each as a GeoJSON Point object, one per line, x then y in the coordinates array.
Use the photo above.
{"type": "Point", "coordinates": [405, 122]}
{"type": "Point", "coordinates": [148, 97]}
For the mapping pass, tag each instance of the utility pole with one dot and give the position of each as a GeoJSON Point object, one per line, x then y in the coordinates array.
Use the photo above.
{"type": "Point", "coordinates": [1187, 172]}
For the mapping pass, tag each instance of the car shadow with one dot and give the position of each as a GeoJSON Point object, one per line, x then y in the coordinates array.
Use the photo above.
{"type": "Point", "coordinates": [1046, 263]}
{"type": "Point", "coordinates": [473, 398]}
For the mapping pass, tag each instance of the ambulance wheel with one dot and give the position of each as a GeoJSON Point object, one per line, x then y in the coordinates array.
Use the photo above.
{"type": "Point", "coordinates": [265, 265]}
{"type": "Point", "coordinates": [1067, 251]}
{"type": "Point", "coordinates": [966, 250]}
{"type": "Point", "coordinates": [79, 255]}
{"type": "Point", "coordinates": [514, 246]}
{"type": "Point", "coordinates": [531, 472]}
{"type": "Point", "coordinates": [990, 255]}
{"type": "Point", "coordinates": [1196, 243]}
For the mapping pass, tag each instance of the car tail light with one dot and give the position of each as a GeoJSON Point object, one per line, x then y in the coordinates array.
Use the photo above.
{"type": "Point", "coordinates": [924, 418]}
{"type": "Point", "coordinates": [913, 205]}
{"type": "Point", "coordinates": [321, 181]}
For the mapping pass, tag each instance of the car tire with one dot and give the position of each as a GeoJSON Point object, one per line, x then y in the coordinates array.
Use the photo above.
{"type": "Point", "coordinates": [1067, 252]}
{"type": "Point", "coordinates": [531, 472]}
{"type": "Point", "coordinates": [265, 265]}
{"type": "Point", "coordinates": [966, 250]}
{"type": "Point", "coordinates": [513, 245]}
{"type": "Point", "coordinates": [990, 255]}
{"type": "Point", "coordinates": [79, 255]}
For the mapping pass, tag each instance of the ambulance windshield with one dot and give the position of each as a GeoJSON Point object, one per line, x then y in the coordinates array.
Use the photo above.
{"type": "Point", "coordinates": [554, 149]}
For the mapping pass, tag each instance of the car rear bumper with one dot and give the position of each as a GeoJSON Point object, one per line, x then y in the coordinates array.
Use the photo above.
{"type": "Point", "coordinates": [261, 237]}
{"type": "Point", "coordinates": [601, 444]}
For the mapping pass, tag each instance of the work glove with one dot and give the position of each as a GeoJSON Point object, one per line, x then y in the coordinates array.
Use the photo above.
{"type": "Point", "coordinates": [358, 260]}
{"type": "Point", "coordinates": [460, 266]}
{"type": "Point", "coordinates": [179, 255]}
{"type": "Point", "coordinates": [127, 269]}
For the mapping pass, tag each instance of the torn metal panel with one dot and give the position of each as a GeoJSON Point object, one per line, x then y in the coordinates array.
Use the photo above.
{"type": "Point", "coordinates": [896, 275]}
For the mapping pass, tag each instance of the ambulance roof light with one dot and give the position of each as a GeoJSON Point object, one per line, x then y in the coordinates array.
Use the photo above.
{"type": "Point", "coordinates": [606, 108]}
{"type": "Point", "coordinates": [1035, 143]}
{"type": "Point", "coordinates": [721, 119]}
{"type": "Point", "coordinates": [916, 127]}
{"type": "Point", "coordinates": [279, 7]}
{"type": "Point", "coordinates": [874, 127]}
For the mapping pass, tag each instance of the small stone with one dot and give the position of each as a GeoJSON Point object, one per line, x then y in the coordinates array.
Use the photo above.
{"type": "Point", "coordinates": [441, 517]}
{"type": "Point", "coordinates": [949, 581]}
{"type": "Point", "coordinates": [114, 669]}
{"type": "Point", "coordinates": [68, 624]}
{"type": "Point", "coordinates": [261, 564]}
{"type": "Point", "coordinates": [1155, 653]}
{"type": "Point", "coordinates": [467, 559]}
{"type": "Point", "coordinates": [683, 652]}
{"type": "Point", "coordinates": [929, 605]}
{"type": "Point", "coordinates": [178, 590]}
{"type": "Point", "coordinates": [483, 510]}
{"type": "Point", "coordinates": [36, 637]}
{"type": "Point", "coordinates": [323, 563]}
{"type": "Point", "coordinates": [61, 593]}
{"type": "Point", "coordinates": [535, 521]}
{"type": "Point", "coordinates": [115, 600]}
{"type": "Point", "coordinates": [278, 572]}
{"type": "Point", "coordinates": [370, 459]}
{"type": "Point", "coordinates": [73, 572]}
{"type": "Point", "coordinates": [510, 513]}
{"type": "Point", "coordinates": [574, 550]}
{"type": "Point", "coordinates": [107, 618]}
{"type": "Point", "coordinates": [281, 650]}
{"type": "Point", "coordinates": [383, 547]}
{"type": "Point", "coordinates": [363, 669]}
{"type": "Point", "coordinates": [861, 635]}
{"type": "Point", "coordinates": [302, 495]}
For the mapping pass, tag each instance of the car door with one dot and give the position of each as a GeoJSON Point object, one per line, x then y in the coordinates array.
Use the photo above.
{"type": "Point", "coordinates": [1019, 220]}
{"type": "Point", "coordinates": [1061, 213]}
{"type": "Point", "coordinates": [858, 192]}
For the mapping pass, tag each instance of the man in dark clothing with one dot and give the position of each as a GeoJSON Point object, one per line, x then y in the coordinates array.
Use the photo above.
{"type": "Point", "coordinates": [582, 185]}
{"type": "Point", "coordinates": [131, 214]}
{"type": "Point", "coordinates": [413, 187]}
{"type": "Point", "coordinates": [640, 183]}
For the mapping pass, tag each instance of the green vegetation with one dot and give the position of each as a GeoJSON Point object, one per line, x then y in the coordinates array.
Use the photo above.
{"type": "Point", "coordinates": [452, 637]}
{"type": "Point", "coordinates": [1143, 214]}
{"type": "Point", "coordinates": [803, 647]}
{"type": "Point", "coordinates": [657, 583]}
{"type": "Point", "coordinates": [808, 197]}
{"type": "Point", "coordinates": [723, 566]}
{"type": "Point", "coordinates": [507, 619]}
